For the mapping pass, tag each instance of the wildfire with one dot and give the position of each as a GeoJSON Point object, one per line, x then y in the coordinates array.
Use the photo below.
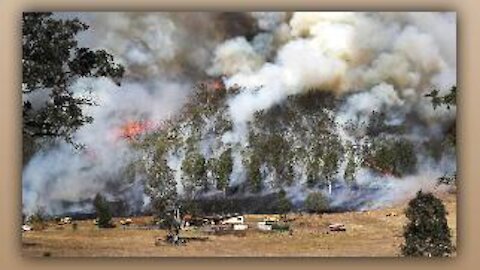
{"type": "Point", "coordinates": [213, 85]}
{"type": "Point", "coordinates": [133, 129]}
{"type": "Point", "coordinates": [130, 130]}
{"type": "Point", "coordinates": [217, 85]}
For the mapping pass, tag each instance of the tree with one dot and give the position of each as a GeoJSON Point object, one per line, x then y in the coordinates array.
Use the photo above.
{"type": "Point", "coordinates": [284, 205]}
{"type": "Point", "coordinates": [51, 63]}
{"type": "Point", "coordinates": [103, 212]}
{"type": "Point", "coordinates": [330, 168]}
{"type": "Point", "coordinates": [194, 172]}
{"type": "Point", "coordinates": [427, 233]}
{"type": "Point", "coordinates": [160, 184]}
{"type": "Point", "coordinates": [316, 202]}
{"type": "Point", "coordinates": [254, 175]}
{"type": "Point", "coordinates": [448, 100]}
{"type": "Point", "coordinates": [274, 150]}
{"type": "Point", "coordinates": [222, 168]}
{"type": "Point", "coordinates": [325, 157]}
{"type": "Point", "coordinates": [161, 187]}
{"type": "Point", "coordinates": [350, 169]}
{"type": "Point", "coordinates": [393, 156]}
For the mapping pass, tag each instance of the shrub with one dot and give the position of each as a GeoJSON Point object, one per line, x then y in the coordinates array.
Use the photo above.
{"type": "Point", "coordinates": [103, 212]}
{"type": "Point", "coordinates": [38, 220]}
{"type": "Point", "coordinates": [281, 226]}
{"type": "Point", "coordinates": [284, 205]}
{"type": "Point", "coordinates": [316, 202]}
{"type": "Point", "coordinates": [427, 233]}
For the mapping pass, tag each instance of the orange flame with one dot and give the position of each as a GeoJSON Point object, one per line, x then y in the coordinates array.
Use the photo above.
{"type": "Point", "coordinates": [133, 129]}
{"type": "Point", "coordinates": [218, 85]}
{"type": "Point", "coordinates": [130, 130]}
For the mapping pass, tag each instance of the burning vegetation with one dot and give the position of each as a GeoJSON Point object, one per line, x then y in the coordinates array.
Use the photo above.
{"type": "Point", "coordinates": [260, 114]}
{"type": "Point", "coordinates": [134, 129]}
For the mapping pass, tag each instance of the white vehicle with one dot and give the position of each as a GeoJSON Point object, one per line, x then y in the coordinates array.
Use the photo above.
{"type": "Point", "coordinates": [263, 226]}
{"type": "Point", "coordinates": [26, 228]}
{"type": "Point", "coordinates": [65, 220]}
{"type": "Point", "coordinates": [233, 220]}
{"type": "Point", "coordinates": [126, 222]}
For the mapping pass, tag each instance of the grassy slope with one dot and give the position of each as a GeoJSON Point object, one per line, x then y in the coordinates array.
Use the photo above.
{"type": "Point", "coordinates": [370, 233]}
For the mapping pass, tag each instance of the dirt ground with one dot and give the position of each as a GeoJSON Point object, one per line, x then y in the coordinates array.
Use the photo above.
{"type": "Point", "coordinates": [369, 233]}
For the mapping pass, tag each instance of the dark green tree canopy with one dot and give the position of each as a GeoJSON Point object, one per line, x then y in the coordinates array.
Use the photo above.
{"type": "Point", "coordinates": [51, 62]}
{"type": "Point", "coordinates": [427, 233]}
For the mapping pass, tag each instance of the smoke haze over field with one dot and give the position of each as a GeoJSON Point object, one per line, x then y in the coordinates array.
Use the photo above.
{"type": "Point", "coordinates": [370, 61]}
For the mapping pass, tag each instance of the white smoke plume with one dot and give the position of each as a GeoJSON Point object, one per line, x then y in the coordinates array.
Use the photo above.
{"type": "Point", "coordinates": [351, 51]}
{"type": "Point", "coordinates": [234, 56]}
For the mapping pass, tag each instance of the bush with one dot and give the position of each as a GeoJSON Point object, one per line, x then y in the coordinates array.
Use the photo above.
{"type": "Point", "coordinates": [427, 233]}
{"type": "Point", "coordinates": [284, 205]}
{"type": "Point", "coordinates": [281, 226]}
{"type": "Point", "coordinates": [316, 202]}
{"type": "Point", "coordinates": [103, 212]}
{"type": "Point", "coordinates": [38, 220]}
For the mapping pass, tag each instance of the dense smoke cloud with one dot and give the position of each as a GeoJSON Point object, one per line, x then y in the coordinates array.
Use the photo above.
{"type": "Point", "coordinates": [348, 52]}
{"type": "Point", "coordinates": [372, 61]}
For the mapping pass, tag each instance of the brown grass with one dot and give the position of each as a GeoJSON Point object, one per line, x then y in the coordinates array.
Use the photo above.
{"type": "Point", "coordinates": [370, 233]}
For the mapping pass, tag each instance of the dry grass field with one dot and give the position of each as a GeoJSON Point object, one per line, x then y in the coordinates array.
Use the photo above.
{"type": "Point", "coordinates": [369, 233]}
